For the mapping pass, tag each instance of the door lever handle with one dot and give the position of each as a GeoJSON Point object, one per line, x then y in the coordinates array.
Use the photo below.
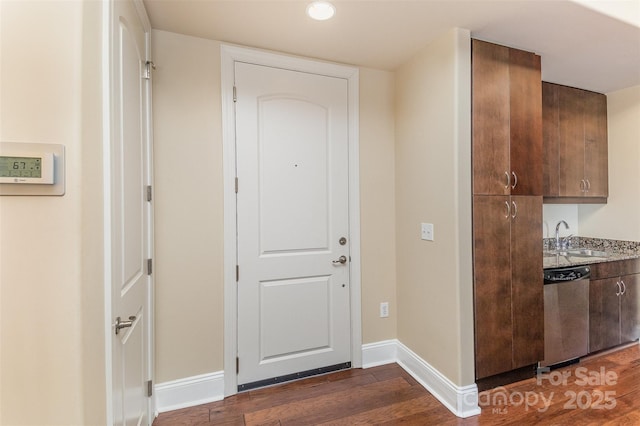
{"type": "Point", "coordinates": [124, 324]}
{"type": "Point", "coordinates": [341, 259]}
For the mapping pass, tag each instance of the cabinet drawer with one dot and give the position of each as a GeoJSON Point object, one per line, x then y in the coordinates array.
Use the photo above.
{"type": "Point", "coordinates": [615, 268]}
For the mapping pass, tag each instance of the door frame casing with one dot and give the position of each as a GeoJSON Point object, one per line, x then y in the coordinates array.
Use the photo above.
{"type": "Point", "coordinates": [230, 54]}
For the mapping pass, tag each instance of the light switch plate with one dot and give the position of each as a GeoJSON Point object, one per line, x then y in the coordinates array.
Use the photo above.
{"type": "Point", "coordinates": [427, 231]}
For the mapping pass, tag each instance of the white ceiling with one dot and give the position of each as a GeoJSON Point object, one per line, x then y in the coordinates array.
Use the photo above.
{"type": "Point", "coordinates": [580, 46]}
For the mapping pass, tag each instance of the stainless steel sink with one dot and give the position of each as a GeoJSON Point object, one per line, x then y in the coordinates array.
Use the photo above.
{"type": "Point", "coordinates": [579, 252]}
{"type": "Point", "coordinates": [584, 253]}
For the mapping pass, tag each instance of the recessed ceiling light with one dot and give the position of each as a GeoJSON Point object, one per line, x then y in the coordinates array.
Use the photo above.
{"type": "Point", "coordinates": [321, 10]}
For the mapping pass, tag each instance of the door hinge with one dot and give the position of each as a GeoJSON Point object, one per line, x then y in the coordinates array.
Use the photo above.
{"type": "Point", "coordinates": [237, 365]}
{"type": "Point", "coordinates": [235, 95]}
{"type": "Point", "coordinates": [236, 185]}
{"type": "Point", "coordinates": [149, 387]}
{"type": "Point", "coordinates": [149, 266]}
{"type": "Point", "coordinates": [149, 193]}
{"type": "Point", "coordinates": [148, 66]}
{"type": "Point", "coordinates": [237, 273]}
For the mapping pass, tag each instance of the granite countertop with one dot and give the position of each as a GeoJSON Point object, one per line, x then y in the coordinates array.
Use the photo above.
{"type": "Point", "coordinates": [614, 249]}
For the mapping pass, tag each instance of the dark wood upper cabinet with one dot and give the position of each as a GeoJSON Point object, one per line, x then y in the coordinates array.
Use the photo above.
{"type": "Point", "coordinates": [506, 120]}
{"type": "Point", "coordinates": [525, 123]}
{"type": "Point", "coordinates": [596, 155]}
{"type": "Point", "coordinates": [490, 119]}
{"type": "Point", "coordinates": [570, 143]}
{"type": "Point", "coordinates": [550, 141]}
{"type": "Point", "coordinates": [575, 148]}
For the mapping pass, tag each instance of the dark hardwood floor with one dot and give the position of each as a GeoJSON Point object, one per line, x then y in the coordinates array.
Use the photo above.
{"type": "Point", "coordinates": [601, 390]}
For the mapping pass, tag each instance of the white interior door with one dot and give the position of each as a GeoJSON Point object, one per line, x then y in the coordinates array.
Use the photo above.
{"type": "Point", "coordinates": [293, 223]}
{"type": "Point", "coordinates": [130, 220]}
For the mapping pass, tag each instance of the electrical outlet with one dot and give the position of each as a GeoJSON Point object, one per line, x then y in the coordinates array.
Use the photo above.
{"type": "Point", "coordinates": [427, 231]}
{"type": "Point", "coordinates": [384, 309]}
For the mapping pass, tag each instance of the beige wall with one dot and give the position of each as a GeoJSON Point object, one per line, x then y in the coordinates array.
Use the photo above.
{"type": "Point", "coordinates": [433, 184]}
{"type": "Point", "coordinates": [51, 303]}
{"type": "Point", "coordinates": [189, 211]}
{"type": "Point", "coordinates": [188, 207]}
{"type": "Point", "coordinates": [377, 209]}
{"type": "Point", "coordinates": [620, 218]}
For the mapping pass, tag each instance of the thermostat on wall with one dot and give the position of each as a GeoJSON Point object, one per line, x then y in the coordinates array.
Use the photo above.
{"type": "Point", "coordinates": [36, 168]}
{"type": "Point", "coordinates": [31, 169]}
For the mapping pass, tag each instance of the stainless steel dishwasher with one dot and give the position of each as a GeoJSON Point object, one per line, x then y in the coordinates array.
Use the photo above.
{"type": "Point", "coordinates": [566, 314]}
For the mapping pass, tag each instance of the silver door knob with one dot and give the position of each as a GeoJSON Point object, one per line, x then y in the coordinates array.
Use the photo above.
{"type": "Point", "coordinates": [124, 324]}
{"type": "Point", "coordinates": [341, 259]}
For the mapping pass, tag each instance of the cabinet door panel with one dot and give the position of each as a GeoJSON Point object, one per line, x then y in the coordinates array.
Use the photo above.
{"type": "Point", "coordinates": [630, 309]}
{"type": "Point", "coordinates": [575, 143]}
{"type": "Point", "coordinates": [604, 314]}
{"type": "Point", "coordinates": [527, 292]}
{"type": "Point", "coordinates": [550, 140]}
{"type": "Point", "coordinates": [525, 122]}
{"type": "Point", "coordinates": [492, 285]}
{"type": "Point", "coordinates": [490, 118]}
{"type": "Point", "coordinates": [596, 168]}
{"type": "Point", "coordinates": [571, 150]}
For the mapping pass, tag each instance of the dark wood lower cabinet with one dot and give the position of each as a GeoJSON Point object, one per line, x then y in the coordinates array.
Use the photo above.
{"type": "Point", "coordinates": [527, 284]}
{"type": "Point", "coordinates": [508, 286]}
{"type": "Point", "coordinates": [614, 311]}
{"type": "Point", "coordinates": [604, 314]}
{"type": "Point", "coordinates": [492, 284]}
{"type": "Point", "coordinates": [630, 308]}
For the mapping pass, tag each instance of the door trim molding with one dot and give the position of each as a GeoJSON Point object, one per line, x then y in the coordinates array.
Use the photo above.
{"type": "Point", "coordinates": [230, 54]}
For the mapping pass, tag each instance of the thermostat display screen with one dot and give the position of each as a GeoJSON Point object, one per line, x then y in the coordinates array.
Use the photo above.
{"type": "Point", "coordinates": [24, 167]}
{"type": "Point", "coordinates": [31, 168]}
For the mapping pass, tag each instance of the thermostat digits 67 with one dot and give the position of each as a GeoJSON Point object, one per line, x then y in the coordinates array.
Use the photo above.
{"type": "Point", "coordinates": [32, 169]}
{"type": "Point", "coordinates": [27, 168]}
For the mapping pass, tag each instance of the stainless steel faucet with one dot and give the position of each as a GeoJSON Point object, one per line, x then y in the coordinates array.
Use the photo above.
{"type": "Point", "coordinates": [566, 226]}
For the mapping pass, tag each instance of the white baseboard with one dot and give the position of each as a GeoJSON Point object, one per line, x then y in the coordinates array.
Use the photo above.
{"type": "Point", "coordinates": [379, 353]}
{"type": "Point", "coordinates": [190, 391]}
{"type": "Point", "coordinates": [461, 401]}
